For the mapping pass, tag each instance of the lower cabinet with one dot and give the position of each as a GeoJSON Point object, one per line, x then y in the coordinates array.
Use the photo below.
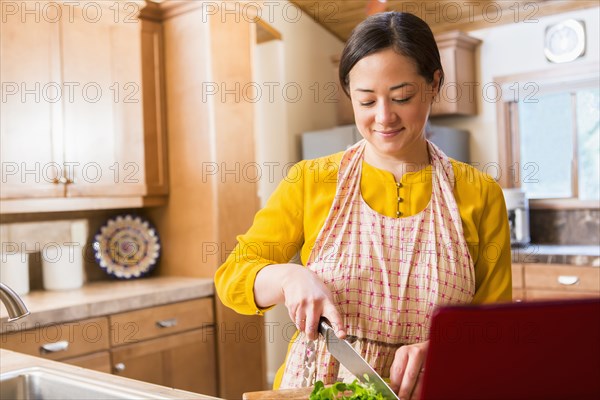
{"type": "Point", "coordinates": [171, 345]}
{"type": "Point", "coordinates": [96, 361]}
{"type": "Point", "coordinates": [537, 281]}
{"type": "Point", "coordinates": [184, 361]}
{"type": "Point", "coordinates": [518, 290]}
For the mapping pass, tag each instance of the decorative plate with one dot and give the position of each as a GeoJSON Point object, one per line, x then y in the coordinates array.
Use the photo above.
{"type": "Point", "coordinates": [127, 247]}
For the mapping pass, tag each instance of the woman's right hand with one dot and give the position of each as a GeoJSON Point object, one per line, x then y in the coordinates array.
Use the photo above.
{"type": "Point", "coordinates": [304, 294]}
{"type": "Point", "coordinates": [307, 298]}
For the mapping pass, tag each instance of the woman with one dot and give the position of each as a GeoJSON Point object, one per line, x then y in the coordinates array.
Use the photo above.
{"type": "Point", "coordinates": [388, 229]}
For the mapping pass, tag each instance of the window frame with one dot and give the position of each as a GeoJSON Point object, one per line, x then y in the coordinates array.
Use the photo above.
{"type": "Point", "coordinates": [572, 77]}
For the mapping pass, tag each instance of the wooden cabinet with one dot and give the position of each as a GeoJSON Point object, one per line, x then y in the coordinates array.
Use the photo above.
{"type": "Point", "coordinates": [171, 345]}
{"type": "Point", "coordinates": [97, 361]}
{"type": "Point", "coordinates": [103, 125]}
{"type": "Point", "coordinates": [81, 128]}
{"type": "Point", "coordinates": [533, 281]}
{"type": "Point", "coordinates": [518, 289]}
{"type": "Point", "coordinates": [184, 361]}
{"type": "Point", "coordinates": [84, 343]}
{"type": "Point", "coordinates": [154, 107]}
{"type": "Point", "coordinates": [30, 132]}
{"type": "Point", "coordinates": [458, 95]}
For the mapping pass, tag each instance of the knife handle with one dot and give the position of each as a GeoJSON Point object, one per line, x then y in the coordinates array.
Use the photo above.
{"type": "Point", "coordinates": [325, 326]}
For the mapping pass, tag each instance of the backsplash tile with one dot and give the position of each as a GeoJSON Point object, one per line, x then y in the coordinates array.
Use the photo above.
{"type": "Point", "coordinates": [565, 227]}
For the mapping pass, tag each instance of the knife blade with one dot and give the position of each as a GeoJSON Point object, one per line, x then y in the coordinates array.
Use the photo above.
{"type": "Point", "coordinates": [349, 358]}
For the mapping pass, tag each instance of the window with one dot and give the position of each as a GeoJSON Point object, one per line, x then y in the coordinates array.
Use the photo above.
{"type": "Point", "coordinates": [551, 137]}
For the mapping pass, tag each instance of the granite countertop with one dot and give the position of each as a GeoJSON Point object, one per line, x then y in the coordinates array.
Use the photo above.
{"type": "Point", "coordinates": [104, 298]}
{"type": "Point", "coordinates": [557, 254]}
{"type": "Point", "coordinates": [11, 361]}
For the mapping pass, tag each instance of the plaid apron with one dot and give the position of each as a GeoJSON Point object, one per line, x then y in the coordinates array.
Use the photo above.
{"type": "Point", "coordinates": [386, 274]}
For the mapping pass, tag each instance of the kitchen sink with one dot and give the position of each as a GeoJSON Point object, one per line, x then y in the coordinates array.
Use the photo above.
{"type": "Point", "coordinates": [44, 383]}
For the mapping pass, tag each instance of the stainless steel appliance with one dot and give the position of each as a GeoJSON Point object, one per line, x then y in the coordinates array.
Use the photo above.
{"type": "Point", "coordinates": [453, 142]}
{"type": "Point", "coordinates": [517, 206]}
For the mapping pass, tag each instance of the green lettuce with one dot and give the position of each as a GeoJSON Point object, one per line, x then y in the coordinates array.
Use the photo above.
{"type": "Point", "coordinates": [345, 391]}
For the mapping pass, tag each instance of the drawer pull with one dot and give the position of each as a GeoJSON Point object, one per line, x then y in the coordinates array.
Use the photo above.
{"type": "Point", "coordinates": [119, 367]}
{"type": "Point", "coordinates": [55, 347]}
{"type": "Point", "coordinates": [568, 280]}
{"type": "Point", "coordinates": [167, 323]}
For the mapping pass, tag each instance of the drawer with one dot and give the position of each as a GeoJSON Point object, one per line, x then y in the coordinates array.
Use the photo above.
{"type": "Point", "coordinates": [517, 276]}
{"type": "Point", "coordinates": [60, 341]}
{"type": "Point", "coordinates": [562, 277]}
{"type": "Point", "coordinates": [538, 294]}
{"type": "Point", "coordinates": [147, 323]}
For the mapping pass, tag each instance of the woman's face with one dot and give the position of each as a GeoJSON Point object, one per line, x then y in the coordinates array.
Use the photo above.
{"type": "Point", "coordinates": [391, 103]}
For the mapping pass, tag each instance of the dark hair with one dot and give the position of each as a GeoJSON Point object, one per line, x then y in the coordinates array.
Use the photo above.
{"type": "Point", "coordinates": [406, 33]}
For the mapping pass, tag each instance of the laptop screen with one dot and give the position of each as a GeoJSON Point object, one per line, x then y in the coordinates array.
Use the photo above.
{"type": "Point", "coordinates": [538, 350]}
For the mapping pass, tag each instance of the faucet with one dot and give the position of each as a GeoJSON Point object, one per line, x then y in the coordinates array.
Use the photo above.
{"type": "Point", "coordinates": [13, 303]}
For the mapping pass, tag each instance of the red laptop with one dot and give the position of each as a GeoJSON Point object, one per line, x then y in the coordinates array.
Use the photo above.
{"type": "Point", "coordinates": [539, 350]}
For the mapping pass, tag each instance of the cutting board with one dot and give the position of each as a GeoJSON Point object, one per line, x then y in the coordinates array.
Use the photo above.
{"type": "Point", "coordinates": [283, 394]}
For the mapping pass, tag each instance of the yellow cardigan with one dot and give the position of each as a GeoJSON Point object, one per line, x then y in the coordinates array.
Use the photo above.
{"type": "Point", "coordinates": [295, 213]}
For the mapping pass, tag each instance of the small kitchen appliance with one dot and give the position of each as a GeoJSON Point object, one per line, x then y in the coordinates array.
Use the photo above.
{"type": "Point", "coordinates": [517, 206]}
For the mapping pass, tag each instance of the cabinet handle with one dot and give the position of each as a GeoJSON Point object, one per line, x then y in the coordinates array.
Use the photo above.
{"type": "Point", "coordinates": [62, 180]}
{"type": "Point", "coordinates": [568, 280]}
{"type": "Point", "coordinates": [55, 347]}
{"type": "Point", "coordinates": [119, 367]}
{"type": "Point", "coordinates": [167, 323]}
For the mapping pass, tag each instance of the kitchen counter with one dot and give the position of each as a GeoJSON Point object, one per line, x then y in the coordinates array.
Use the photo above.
{"type": "Point", "coordinates": [104, 298]}
{"type": "Point", "coordinates": [12, 361]}
{"type": "Point", "coordinates": [557, 254]}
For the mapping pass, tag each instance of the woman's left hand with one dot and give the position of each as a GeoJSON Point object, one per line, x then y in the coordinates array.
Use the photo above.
{"type": "Point", "coordinates": [406, 370]}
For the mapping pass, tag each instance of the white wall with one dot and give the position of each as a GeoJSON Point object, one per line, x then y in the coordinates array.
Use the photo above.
{"type": "Point", "coordinates": [508, 50]}
{"type": "Point", "coordinates": [307, 51]}
{"type": "Point", "coordinates": [270, 122]}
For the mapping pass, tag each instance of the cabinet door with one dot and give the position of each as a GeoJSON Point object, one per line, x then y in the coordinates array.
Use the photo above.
{"type": "Point", "coordinates": [183, 361]}
{"type": "Point", "coordinates": [101, 61]}
{"type": "Point", "coordinates": [30, 126]}
{"type": "Point", "coordinates": [97, 361]}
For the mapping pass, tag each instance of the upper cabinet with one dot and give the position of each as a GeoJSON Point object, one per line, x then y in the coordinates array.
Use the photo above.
{"type": "Point", "coordinates": [103, 126]}
{"type": "Point", "coordinates": [457, 97]}
{"type": "Point", "coordinates": [31, 135]}
{"type": "Point", "coordinates": [76, 131]}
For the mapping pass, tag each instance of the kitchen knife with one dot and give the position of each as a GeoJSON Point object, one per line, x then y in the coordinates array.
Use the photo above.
{"type": "Point", "coordinates": [349, 358]}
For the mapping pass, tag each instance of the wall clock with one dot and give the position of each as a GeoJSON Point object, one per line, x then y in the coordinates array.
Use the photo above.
{"type": "Point", "coordinates": [565, 41]}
